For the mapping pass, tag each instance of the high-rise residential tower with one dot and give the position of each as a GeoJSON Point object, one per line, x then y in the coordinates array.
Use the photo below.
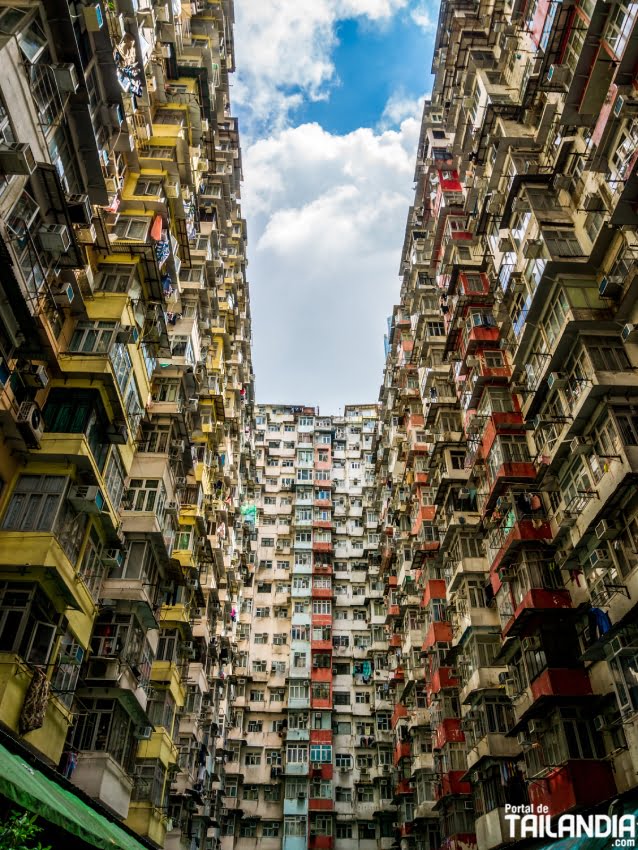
{"type": "Point", "coordinates": [310, 746]}
{"type": "Point", "coordinates": [508, 462]}
{"type": "Point", "coordinates": [125, 414]}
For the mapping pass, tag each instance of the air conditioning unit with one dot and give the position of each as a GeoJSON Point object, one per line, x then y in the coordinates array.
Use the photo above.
{"type": "Point", "coordinates": [143, 733]}
{"type": "Point", "coordinates": [112, 114]}
{"type": "Point", "coordinates": [600, 723]}
{"type": "Point", "coordinates": [533, 249]}
{"type": "Point", "coordinates": [112, 185]}
{"type": "Point", "coordinates": [63, 295]}
{"type": "Point", "coordinates": [530, 644]}
{"type": "Point", "coordinates": [599, 557]}
{"type": "Point", "coordinates": [127, 335]}
{"type": "Point", "coordinates": [180, 481]}
{"type": "Point", "coordinates": [178, 446]}
{"type": "Point", "coordinates": [510, 688]}
{"type": "Point", "coordinates": [172, 508]}
{"type": "Point", "coordinates": [55, 238]}
{"type": "Point", "coordinates": [117, 433]}
{"type": "Point", "coordinates": [556, 380]}
{"type": "Point", "coordinates": [17, 159]}
{"type": "Point", "coordinates": [36, 376]}
{"type": "Point", "coordinates": [563, 181]}
{"type": "Point", "coordinates": [86, 235]}
{"type": "Point", "coordinates": [558, 75]}
{"type": "Point", "coordinates": [472, 361]}
{"type": "Point", "coordinates": [87, 499]}
{"type": "Point", "coordinates": [171, 187]}
{"type": "Point", "coordinates": [30, 424]}
{"type": "Point", "coordinates": [93, 17]}
{"type": "Point", "coordinates": [629, 333]}
{"type": "Point", "coordinates": [80, 209]}
{"type": "Point", "coordinates": [564, 519]}
{"type": "Point", "coordinates": [610, 286]}
{"type": "Point", "coordinates": [618, 105]}
{"type": "Point", "coordinates": [536, 727]}
{"type": "Point", "coordinates": [606, 530]}
{"type": "Point", "coordinates": [72, 654]}
{"type": "Point", "coordinates": [66, 77]}
{"type": "Point", "coordinates": [580, 446]}
{"type": "Point", "coordinates": [523, 740]}
{"type": "Point", "coordinates": [113, 557]}
{"type": "Point", "coordinates": [187, 650]}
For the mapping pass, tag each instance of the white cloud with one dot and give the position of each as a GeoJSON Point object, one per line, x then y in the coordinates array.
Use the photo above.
{"type": "Point", "coordinates": [425, 15]}
{"type": "Point", "coordinates": [284, 51]}
{"type": "Point", "coordinates": [399, 107]}
{"type": "Point", "coordinates": [326, 220]}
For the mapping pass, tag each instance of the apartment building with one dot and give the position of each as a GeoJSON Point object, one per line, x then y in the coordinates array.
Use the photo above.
{"type": "Point", "coordinates": [126, 407]}
{"type": "Point", "coordinates": [507, 453]}
{"type": "Point", "coordinates": [310, 746]}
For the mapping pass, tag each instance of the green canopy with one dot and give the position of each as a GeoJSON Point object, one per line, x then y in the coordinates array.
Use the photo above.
{"type": "Point", "coordinates": [32, 790]}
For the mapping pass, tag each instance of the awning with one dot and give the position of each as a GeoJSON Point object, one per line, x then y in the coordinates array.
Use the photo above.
{"type": "Point", "coordinates": [32, 790]}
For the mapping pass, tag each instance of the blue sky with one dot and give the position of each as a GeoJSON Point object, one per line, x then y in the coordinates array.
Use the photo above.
{"type": "Point", "coordinates": [329, 96]}
{"type": "Point", "coordinates": [373, 62]}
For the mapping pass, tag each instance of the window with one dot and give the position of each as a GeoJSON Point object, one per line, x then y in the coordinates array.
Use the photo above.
{"type": "Point", "coordinates": [341, 697]}
{"type": "Point", "coordinates": [295, 827]}
{"type": "Point", "coordinates": [257, 696]}
{"type": "Point", "coordinates": [135, 229]}
{"type": "Point", "coordinates": [248, 829]}
{"type": "Point", "coordinates": [255, 726]}
{"type": "Point", "coordinates": [344, 830]}
{"type": "Point", "coordinates": [562, 242]}
{"type": "Point", "coordinates": [606, 353]}
{"type": "Point", "coordinates": [27, 622]}
{"type": "Point", "coordinates": [343, 761]}
{"type": "Point", "coordinates": [296, 754]}
{"type": "Point", "coordinates": [250, 792]}
{"type": "Point", "coordinates": [321, 606]}
{"type": "Point", "coordinates": [321, 753]}
{"type": "Point", "coordinates": [105, 726]}
{"type": "Point", "coordinates": [272, 793]}
{"type": "Point", "coordinates": [270, 829]}
{"type": "Point", "coordinates": [274, 757]}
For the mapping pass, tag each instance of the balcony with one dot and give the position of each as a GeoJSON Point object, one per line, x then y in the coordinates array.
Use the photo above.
{"type": "Point", "coordinates": [538, 603]}
{"type": "Point", "coordinates": [402, 750]}
{"type": "Point", "coordinates": [15, 678]}
{"type": "Point", "coordinates": [446, 731]}
{"type": "Point", "coordinates": [452, 783]}
{"type": "Point", "coordinates": [515, 530]}
{"type": "Point", "coordinates": [104, 779]}
{"type": "Point", "coordinates": [39, 556]}
{"type": "Point", "coordinates": [438, 632]}
{"type": "Point", "coordinates": [561, 682]}
{"type": "Point", "coordinates": [576, 784]}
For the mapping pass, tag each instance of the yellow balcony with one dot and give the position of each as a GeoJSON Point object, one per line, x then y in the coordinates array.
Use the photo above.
{"type": "Point", "coordinates": [146, 820]}
{"type": "Point", "coordinates": [185, 557]}
{"type": "Point", "coordinates": [37, 556]}
{"type": "Point", "coordinates": [174, 615]}
{"type": "Point", "coordinates": [15, 678]}
{"type": "Point", "coordinates": [168, 673]}
{"type": "Point", "coordinates": [108, 306]}
{"type": "Point", "coordinates": [160, 746]}
{"type": "Point", "coordinates": [91, 368]}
